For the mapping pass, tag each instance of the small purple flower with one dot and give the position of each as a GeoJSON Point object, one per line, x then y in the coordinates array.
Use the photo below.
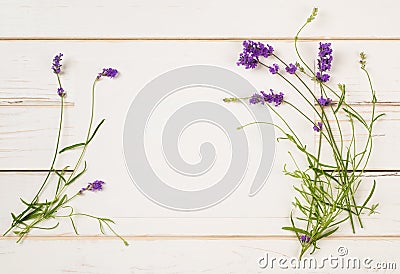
{"type": "Point", "coordinates": [94, 186]}
{"type": "Point", "coordinates": [256, 98]}
{"type": "Point", "coordinates": [251, 53]}
{"type": "Point", "coordinates": [324, 61]}
{"type": "Point", "coordinates": [324, 101]}
{"type": "Point", "coordinates": [291, 68]}
{"type": "Point", "coordinates": [272, 97]}
{"type": "Point", "coordinates": [107, 72]}
{"type": "Point", "coordinates": [56, 67]}
{"type": "Point", "coordinates": [317, 127]}
{"type": "Point", "coordinates": [61, 92]}
{"type": "Point", "coordinates": [304, 239]}
{"type": "Point", "coordinates": [274, 69]}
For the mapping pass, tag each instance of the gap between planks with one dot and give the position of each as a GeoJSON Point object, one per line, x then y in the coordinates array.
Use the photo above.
{"type": "Point", "coordinates": [375, 172]}
{"type": "Point", "coordinates": [195, 237]}
{"type": "Point", "coordinates": [44, 102]}
{"type": "Point", "coordinates": [211, 39]}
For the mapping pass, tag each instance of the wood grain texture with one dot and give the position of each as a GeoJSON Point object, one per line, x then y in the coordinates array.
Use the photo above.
{"type": "Point", "coordinates": [238, 215]}
{"type": "Point", "coordinates": [29, 104]}
{"type": "Point", "coordinates": [182, 256]}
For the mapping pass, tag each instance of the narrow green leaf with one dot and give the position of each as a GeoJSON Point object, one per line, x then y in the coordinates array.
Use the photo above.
{"type": "Point", "coordinates": [95, 131]}
{"type": "Point", "coordinates": [71, 147]}
{"type": "Point", "coordinates": [73, 225]}
{"type": "Point", "coordinates": [60, 176]}
{"type": "Point", "coordinates": [342, 87]}
{"type": "Point", "coordinates": [379, 116]}
{"type": "Point", "coordinates": [295, 229]}
{"type": "Point", "coordinates": [13, 216]}
{"type": "Point", "coordinates": [78, 175]}
{"type": "Point", "coordinates": [56, 207]}
{"type": "Point", "coordinates": [357, 116]}
{"type": "Point", "coordinates": [326, 234]}
{"type": "Point", "coordinates": [101, 228]}
{"type": "Point", "coordinates": [47, 228]}
{"type": "Point", "coordinates": [369, 196]}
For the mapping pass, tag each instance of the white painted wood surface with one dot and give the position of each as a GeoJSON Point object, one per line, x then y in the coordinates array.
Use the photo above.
{"type": "Point", "coordinates": [144, 39]}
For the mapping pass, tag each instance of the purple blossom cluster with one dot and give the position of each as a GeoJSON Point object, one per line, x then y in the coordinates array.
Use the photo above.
{"type": "Point", "coordinates": [61, 92]}
{"type": "Point", "coordinates": [263, 98]}
{"type": "Point", "coordinates": [324, 101]}
{"type": "Point", "coordinates": [317, 127]}
{"type": "Point", "coordinates": [256, 99]}
{"type": "Point", "coordinates": [56, 67]}
{"type": "Point", "coordinates": [274, 68]}
{"type": "Point", "coordinates": [107, 72]}
{"type": "Point", "coordinates": [291, 68]}
{"type": "Point", "coordinates": [304, 238]}
{"type": "Point", "coordinates": [324, 61]}
{"type": "Point", "coordinates": [251, 53]}
{"type": "Point", "coordinates": [94, 186]}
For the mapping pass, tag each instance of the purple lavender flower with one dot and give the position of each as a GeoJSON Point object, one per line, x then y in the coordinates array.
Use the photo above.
{"type": "Point", "coordinates": [317, 127]}
{"type": "Point", "coordinates": [324, 61]}
{"type": "Point", "coordinates": [304, 238]}
{"type": "Point", "coordinates": [274, 69]}
{"type": "Point", "coordinates": [251, 53]}
{"type": "Point", "coordinates": [273, 97]}
{"type": "Point", "coordinates": [256, 98]}
{"type": "Point", "coordinates": [56, 67]}
{"type": "Point", "coordinates": [94, 186]}
{"type": "Point", "coordinates": [291, 68]}
{"type": "Point", "coordinates": [107, 72]}
{"type": "Point", "coordinates": [324, 101]}
{"type": "Point", "coordinates": [61, 92]}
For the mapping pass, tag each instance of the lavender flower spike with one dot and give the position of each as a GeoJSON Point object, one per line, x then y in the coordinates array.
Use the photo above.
{"type": "Point", "coordinates": [324, 61]}
{"type": "Point", "coordinates": [324, 101]}
{"type": "Point", "coordinates": [291, 68]}
{"type": "Point", "coordinates": [274, 69]}
{"type": "Point", "coordinates": [256, 98]}
{"type": "Point", "coordinates": [251, 53]}
{"type": "Point", "coordinates": [97, 185]}
{"type": "Point", "coordinates": [107, 72]}
{"type": "Point", "coordinates": [56, 67]}
{"type": "Point", "coordinates": [273, 97]}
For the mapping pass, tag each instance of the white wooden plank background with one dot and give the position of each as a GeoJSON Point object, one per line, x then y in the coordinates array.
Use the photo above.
{"type": "Point", "coordinates": [144, 39]}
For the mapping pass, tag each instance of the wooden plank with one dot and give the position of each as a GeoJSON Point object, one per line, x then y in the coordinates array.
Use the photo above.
{"type": "Point", "coordinates": [26, 136]}
{"type": "Point", "coordinates": [192, 19]}
{"type": "Point", "coordinates": [239, 215]}
{"type": "Point", "coordinates": [28, 104]}
{"type": "Point", "coordinates": [28, 75]}
{"type": "Point", "coordinates": [186, 256]}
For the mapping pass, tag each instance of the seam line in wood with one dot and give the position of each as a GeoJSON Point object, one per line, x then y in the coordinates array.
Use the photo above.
{"type": "Point", "coordinates": [200, 237]}
{"type": "Point", "coordinates": [61, 38]}
{"type": "Point", "coordinates": [68, 170]}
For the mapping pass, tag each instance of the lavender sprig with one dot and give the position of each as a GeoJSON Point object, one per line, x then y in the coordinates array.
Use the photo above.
{"type": "Point", "coordinates": [38, 211]}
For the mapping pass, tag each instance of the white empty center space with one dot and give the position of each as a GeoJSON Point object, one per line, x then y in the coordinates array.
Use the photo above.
{"type": "Point", "coordinates": [195, 134]}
